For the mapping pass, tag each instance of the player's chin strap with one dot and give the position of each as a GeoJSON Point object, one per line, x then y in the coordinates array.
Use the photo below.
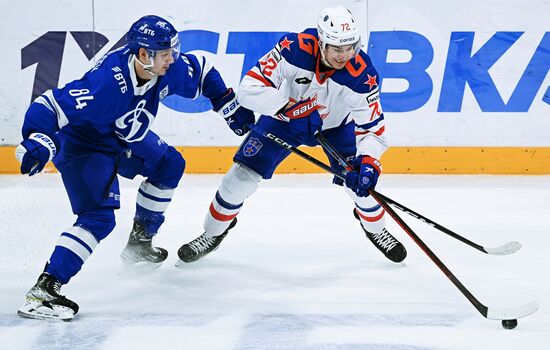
{"type": "Point", "coordinates": [324, 62]}
{"type": "Point", "coordinates": [323, 59]}
{"type": "Point", "coordinates": [147, 67]}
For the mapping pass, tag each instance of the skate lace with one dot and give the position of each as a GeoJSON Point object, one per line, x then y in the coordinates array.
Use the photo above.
{"type": "Point", "coordinates": [56, 286]}
{"type": "Point", "coordinates": [202, 243]}
{"type": "Point", "coordinates": [385, 240]}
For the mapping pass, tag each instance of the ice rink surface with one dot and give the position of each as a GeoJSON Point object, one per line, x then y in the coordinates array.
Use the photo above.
{"type": "Point", "coordinates": [296, 272]}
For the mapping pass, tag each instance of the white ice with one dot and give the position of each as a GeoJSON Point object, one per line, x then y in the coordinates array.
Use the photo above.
{"type": "Point", "coordinates": [296, 272]}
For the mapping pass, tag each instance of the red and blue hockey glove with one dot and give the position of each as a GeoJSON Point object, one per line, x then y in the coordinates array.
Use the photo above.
{"type": "Point", "coordinates": [365, 175]}
{"type": "Point", "coordinates": [35, 152]}
{"type": "Point", "coordinates": [304, 121]}
{"type": "Point", "coordinates": [238, 118]}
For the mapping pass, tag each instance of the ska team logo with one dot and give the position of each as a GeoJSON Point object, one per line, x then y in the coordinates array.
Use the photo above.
{"type": "Point", "coordinates": [252, 147]}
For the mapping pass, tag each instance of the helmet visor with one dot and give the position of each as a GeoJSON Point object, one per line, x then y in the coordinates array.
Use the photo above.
{"type": "Point", "coordinates": [175, 45]}
{"type": "Point", "coordinates": [173, 50]}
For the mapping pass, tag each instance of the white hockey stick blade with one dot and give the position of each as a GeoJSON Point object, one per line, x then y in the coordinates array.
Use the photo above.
{"type": "Point", "coordinates": [505, 249]}
{"type": "Point", "coordinates": [512, 312]}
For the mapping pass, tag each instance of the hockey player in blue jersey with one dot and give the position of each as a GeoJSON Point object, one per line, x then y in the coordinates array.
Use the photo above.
{"type": "Point", "coordinates": [98, 127]}
{"type": "Point", "coordinates": [317, 80]}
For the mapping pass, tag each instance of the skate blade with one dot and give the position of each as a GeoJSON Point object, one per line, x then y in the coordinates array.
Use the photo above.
{"type": "Point", "coordinates": [133, 267]}
{"type": "Point", "coordinates": [139, 264]}
{"type": "Point", "coordinates": [180, 263]}
{"type": "Point", "coordinates": [36, 310]}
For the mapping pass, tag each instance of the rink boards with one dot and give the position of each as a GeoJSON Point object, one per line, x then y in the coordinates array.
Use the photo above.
{"type": "Point", "coordinates": [465, 86]}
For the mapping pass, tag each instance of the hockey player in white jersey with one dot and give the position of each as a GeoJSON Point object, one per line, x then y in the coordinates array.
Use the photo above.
{"type": "Point", "coordinates": [317, 80]}
{"type": "Point", "coordinates": [97, 128]}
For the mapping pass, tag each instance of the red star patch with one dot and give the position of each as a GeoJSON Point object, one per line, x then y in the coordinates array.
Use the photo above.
{"type": "Point", "coordinates": [371, 81]}
{"type": "Point", "coordinates": [285, 44]}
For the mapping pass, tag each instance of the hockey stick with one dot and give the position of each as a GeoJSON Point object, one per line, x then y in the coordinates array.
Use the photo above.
{"type": "Point", "coordinates": [503, 313]}
{"type": "Point", "coordinates": [505, 249]}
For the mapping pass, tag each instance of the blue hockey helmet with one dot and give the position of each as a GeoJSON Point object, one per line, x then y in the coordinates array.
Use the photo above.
{"type": "Point", "coordinates": [153, 33]}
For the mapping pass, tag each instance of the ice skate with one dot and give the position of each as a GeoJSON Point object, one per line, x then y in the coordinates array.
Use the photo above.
{"type": "Point", "coordinates": [43, 301]}
{"type": "Point", "coordinates": [201, 246]}
{"type": "Point", "coordinates": [386, 243]}
{"type": "Point", "coordinates": [140, 249]}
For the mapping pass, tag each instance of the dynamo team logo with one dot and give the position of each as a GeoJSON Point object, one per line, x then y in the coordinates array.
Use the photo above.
{"type": "Point", "coordinates": [133, 126]}
{"type": "Point", "coordinates": [252, 147]}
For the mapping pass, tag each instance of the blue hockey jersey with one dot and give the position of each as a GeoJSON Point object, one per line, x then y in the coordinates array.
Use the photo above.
{"type": "Point", "coordinates": [107, 111]}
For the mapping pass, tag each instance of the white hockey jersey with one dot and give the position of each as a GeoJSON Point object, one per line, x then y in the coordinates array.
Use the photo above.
{"type": "Point", "coordinates": [292, 71]}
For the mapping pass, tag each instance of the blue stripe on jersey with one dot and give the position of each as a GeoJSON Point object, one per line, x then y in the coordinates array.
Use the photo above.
{"type": "Point", "coordinates": [81, 242]}
{"type": "Point", "coordinates": [369, 210]}
{"type": "Point", "coordinates": [153, 198]}
{"type": "Point", "coordinates": [226, 205]}
{"type": "Point", "coordinates": [371, 124]}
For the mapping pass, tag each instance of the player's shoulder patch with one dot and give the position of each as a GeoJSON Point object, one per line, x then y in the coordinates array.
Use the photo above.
{"type": "Point", "coordinates": [286, 47]}
{"type": "Point", "coordinates": [359, 74]}
{"type": "Point", "coordinates": [299, 49]}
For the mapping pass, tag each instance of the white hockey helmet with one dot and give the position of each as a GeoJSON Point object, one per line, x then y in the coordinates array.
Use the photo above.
{"type": "Point", "coordinates": [336, 26]}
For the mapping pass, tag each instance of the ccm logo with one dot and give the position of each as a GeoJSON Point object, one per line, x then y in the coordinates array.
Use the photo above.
{"type": "Point", "coordinates": [278, 140]}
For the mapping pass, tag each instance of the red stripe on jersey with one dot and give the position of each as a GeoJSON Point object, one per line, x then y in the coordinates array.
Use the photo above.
{"type": "Point", "coordinates": [371, 219]}
{"type": "Point", "coordinates": [260, 78]}
{"type": "Point", "coordinates": [380, 131]}
{"type": "Point", "coordinates": [220, 217]}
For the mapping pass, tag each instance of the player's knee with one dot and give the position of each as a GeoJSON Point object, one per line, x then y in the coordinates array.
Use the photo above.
{"type": "Point", "coordinates": [100, 222]}
{"type": "Point", "coordinates": [239, 183]}
{"type": "Point", "coordinates": [177, 163]}
{"type": "Point", "coordinates": [171, 170]}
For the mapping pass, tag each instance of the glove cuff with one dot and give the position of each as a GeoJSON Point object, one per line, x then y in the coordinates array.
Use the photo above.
{"type": "Point", "coordinates": [375, 163]}
{"type": "Point", "coordinates": [302, 109]}
{"type": "Point", "coordinates": [45, 141]}
{"type": "Point", "coordinates": [227, 105]}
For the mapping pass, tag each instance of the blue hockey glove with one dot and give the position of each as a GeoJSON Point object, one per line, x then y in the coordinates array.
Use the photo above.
{"type": "Point", "coordinates": [238, 118]}
{"type": "Point", "coordinates": [304, 121]}
{"type": "Point", "coordinates": [365, 175]}
{"type": "Point", "coordinates": [35, 152]}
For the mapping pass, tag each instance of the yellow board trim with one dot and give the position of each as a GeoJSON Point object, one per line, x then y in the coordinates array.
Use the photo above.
{"type": "Point", "coordinates": [397, 160]}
